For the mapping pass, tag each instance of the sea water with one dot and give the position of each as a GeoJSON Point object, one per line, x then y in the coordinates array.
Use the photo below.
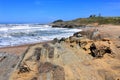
{"type": "Point", "coordinates": [20, 34]}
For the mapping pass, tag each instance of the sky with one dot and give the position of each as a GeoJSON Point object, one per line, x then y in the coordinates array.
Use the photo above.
{"type": "Point", "coordinates": [46, 11]}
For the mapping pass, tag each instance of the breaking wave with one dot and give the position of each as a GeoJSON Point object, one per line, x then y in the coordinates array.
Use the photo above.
{"type": "Point", "coordinates": [11, 35]}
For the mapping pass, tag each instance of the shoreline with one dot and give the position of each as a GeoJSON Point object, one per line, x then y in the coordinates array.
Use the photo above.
{"type": "Point", "coordinates": [105, 29]}
{"type": "Point", "coordinates": [28, 44]}
{"type": "Point", "coordinates": [19, 49]}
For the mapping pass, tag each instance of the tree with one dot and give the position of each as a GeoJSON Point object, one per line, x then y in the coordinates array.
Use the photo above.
{"type": "Point", "coordinates": [92, 16]}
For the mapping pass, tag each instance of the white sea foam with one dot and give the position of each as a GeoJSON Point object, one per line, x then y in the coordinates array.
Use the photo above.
{"type": "Point", "coordinates": [23, 34]}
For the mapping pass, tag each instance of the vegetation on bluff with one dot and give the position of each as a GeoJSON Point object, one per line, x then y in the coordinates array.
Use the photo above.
{"type": "Point", "coordinates": [99, 20]}
{"type": "Point", "coordinates": [91, 20]}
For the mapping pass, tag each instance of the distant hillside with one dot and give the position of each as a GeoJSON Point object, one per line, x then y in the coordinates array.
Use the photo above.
{"type": "Point", "coordinates": [92, 20]}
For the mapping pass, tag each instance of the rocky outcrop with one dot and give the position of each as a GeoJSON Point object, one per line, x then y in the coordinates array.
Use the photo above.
{"type": "Point", "coordinates": [66, 25]}
{"type": "Point", "coordinates": [100, 50]}
{"type": "Point", "coordinates": [93, 34]}
{"type": "Point", "coordinates": [75, 58]}
{"type": "Point", "coordinates": [7, 64]}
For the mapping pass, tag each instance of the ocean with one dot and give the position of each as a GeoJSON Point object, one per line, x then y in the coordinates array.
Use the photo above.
{"type": "Point", "coordinates": [20, 34]}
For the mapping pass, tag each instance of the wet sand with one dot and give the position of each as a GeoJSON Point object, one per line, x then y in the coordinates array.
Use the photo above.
{"type": "Point", "coordinates": [18, 49]}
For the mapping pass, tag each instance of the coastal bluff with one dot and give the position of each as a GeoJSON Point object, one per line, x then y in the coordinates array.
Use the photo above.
{"type": "Point", "coordinates": [91, 21]}
{"type": "Point", "coordinates": [87, 55]}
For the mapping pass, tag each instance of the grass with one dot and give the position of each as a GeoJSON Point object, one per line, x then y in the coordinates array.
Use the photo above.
{"type": "Point", "coordinates": [84, 21]}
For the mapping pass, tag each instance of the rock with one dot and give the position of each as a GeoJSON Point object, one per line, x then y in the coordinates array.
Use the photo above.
{"type": "Point", "coordinates": [67, 40]}
{"type": "Point", "coordinates": [62, 39]}
{"type": "Point", "coordinates": [55, 40]}
{"type": "Point", "coordinates": [37, 53]}
{"type": "Point", "coordinates": [119, 37]}
{"type": "Point", "coordinates": [72, 46]}
{"type": "Point", "coordinates": [118, 46]}
{"type": "Point", "coordinates": [83, 43]}
{"type": "Point", "coordinates": [105, 39]}
{"type": "Point", "coordinates": [60, 25]}
{"type": "Point", "coordinates": [116, 67]}
{"type": "Point", "coordinates": [34, 78]}
{"type": "Point", "coordinates": [99, 51]}
{"type": "Point", "coordinates": [45, 67]}
{"type": "Point", "coordinates": [6, 65]}
{"type": "Point", "coordinates": [93, 34]}
{"type": "Point", "coordinates": [57, 71]}
{"type": "Point", "coordinates": [107, 75]}
{"type": "Point", "coordinates": [77, 34]}
{"type": "Point", "coordinates": [72, 39]}
{"type": "Point", "coordinates": [2, 58]}
{"type": "Point", "coordinates": [23, 69]}
{"type": "Point", "coordinates": [93, 50]}
{"type": "Point", "coordinates": [46, 45]}
{"type": "Point", "coordinates": [51, 52]}
{"type": "Point", "coordinates": [68, 59]}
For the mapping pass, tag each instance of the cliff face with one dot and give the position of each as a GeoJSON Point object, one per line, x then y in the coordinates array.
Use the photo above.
{"type": "Point", "coordinates": [75, 58]}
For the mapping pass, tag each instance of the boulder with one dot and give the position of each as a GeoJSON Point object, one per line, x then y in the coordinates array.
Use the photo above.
{"type": "Point", "coordinates": [99, 51]}
{"type": "Point", "coordinates": [77, 34]}
{"type": "Point", "coordinates": [55, 40]}
{"type": "Point", "coordinates": [57, 71]}
{"type": "Point", "coordinates": [62, 39]}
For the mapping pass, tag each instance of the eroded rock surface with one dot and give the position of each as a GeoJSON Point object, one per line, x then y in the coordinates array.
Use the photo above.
{"type": "Point", "coordinates": [79, 57]}
{"type": "Point", "coordinates": [7, 65]}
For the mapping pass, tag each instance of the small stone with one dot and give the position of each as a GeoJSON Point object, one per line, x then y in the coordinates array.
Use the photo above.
{"type": "Point", "coordinates": [34, 78]}
{"type": "Point", "coordinates": [23, 69]}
